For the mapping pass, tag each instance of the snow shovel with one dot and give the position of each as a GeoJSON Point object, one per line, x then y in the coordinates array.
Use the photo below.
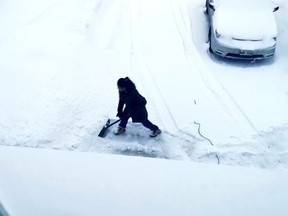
{"type": "Point", "coordinates": [104, 130]}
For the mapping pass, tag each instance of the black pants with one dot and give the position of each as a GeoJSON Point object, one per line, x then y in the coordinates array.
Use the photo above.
{"type": "Point", "coordinates": [145, 123]}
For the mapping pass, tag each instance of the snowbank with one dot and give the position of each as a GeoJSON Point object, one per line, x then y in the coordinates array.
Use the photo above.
{"type": "Point", "coordinates": [48, 182]}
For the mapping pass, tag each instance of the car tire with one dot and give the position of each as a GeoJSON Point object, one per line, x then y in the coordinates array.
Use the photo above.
{"type": "Point", "coordinates": [209, 35]}
{"type": "Point", "coordinates": [206, 7]}
{"type": "Point", "coordinates": [209, 40]}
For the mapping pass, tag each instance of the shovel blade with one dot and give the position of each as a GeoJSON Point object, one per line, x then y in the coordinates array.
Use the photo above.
{"type": "Point", "coordinates": [104, 130]}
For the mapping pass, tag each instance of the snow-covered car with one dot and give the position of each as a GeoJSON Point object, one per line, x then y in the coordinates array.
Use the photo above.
{"type": "Point", "coordinates": [242, 29]}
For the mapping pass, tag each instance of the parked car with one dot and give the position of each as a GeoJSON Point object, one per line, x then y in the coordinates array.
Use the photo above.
{"type": "Point", "coordinates": [242, 29]}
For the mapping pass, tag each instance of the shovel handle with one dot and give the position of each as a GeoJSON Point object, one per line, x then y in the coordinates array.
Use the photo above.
{"type": "Point", "coordinates": [107, 126]}
{"type": "Point", "coordinates": [129, 114]}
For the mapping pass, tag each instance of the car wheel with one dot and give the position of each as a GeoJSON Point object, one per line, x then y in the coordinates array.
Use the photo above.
{"type": "Point", "coordinates": [210, 49]}
{"type": "Point", "coordinates": [206, 10]}
{"type": "Point", "coordinates": [209, 40]}
{"type": "Point", "coordinates": [209, 35]}
{"type": "Point", "coordinates": [206, 7]}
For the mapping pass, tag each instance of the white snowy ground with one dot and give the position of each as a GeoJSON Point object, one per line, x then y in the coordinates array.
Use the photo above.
{"type": "Point", "coordinates": [40, 182]}
{"type": "Point", "coordinates": [59, 63]}
{"type": "Point", "coordinates": [60, 60]}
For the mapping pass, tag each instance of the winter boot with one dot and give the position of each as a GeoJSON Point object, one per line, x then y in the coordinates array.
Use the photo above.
{"type": "Point", "coordinates": [120, 130]}
{"type": "Point", "coordinates": [155, 133]}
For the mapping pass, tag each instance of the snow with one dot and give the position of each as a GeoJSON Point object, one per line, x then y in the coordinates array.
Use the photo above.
{"type": "Point", "coordinates": [59, 63]}
{"type": "Point", "coordinates": [248, 20]}
{"type": "Point", "coordinates": [47, 182]}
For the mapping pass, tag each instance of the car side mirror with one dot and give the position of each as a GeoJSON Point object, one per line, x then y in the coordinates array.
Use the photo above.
{"type": "Point", "coordinates": [276, 9]}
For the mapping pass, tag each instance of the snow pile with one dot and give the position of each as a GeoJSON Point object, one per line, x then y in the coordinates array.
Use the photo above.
{"type": "Point", "coordinates": [45, 182]}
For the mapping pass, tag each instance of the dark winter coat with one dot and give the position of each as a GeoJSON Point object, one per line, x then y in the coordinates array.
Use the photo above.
{"type": "Point", "coordinates": [134, 105]}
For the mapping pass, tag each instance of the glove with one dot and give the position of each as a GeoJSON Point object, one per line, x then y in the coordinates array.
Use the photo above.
{"type": "Point", "coordinates": [120, 114]}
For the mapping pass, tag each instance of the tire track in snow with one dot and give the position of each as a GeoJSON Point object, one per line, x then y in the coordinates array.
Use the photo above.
{"type": "Point", "coordinates": [218, 91]}
{"type": "Point", "coordinates": [149, 75]}
{"type": "Point", "coordinates": [142, 69]}
{"type": "Point", "coordinates": [190, 69]}
{"type": "Point", "coordinates": [168, 50]}
{"type": "Point", "coordinates": [188, 136]}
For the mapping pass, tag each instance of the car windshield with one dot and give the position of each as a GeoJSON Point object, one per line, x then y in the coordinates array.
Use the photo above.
{"type": "Point", "coordinates": [245, 19]}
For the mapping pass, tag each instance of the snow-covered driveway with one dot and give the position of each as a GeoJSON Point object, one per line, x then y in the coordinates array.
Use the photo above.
{"type": "Point", "coordinates": [60, 61]}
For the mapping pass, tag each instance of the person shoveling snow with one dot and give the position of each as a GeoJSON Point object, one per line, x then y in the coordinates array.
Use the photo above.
{"type": "Point", "coordinates": [131, 105]}
{"type": "Point", "coordinates": [134, 107]}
